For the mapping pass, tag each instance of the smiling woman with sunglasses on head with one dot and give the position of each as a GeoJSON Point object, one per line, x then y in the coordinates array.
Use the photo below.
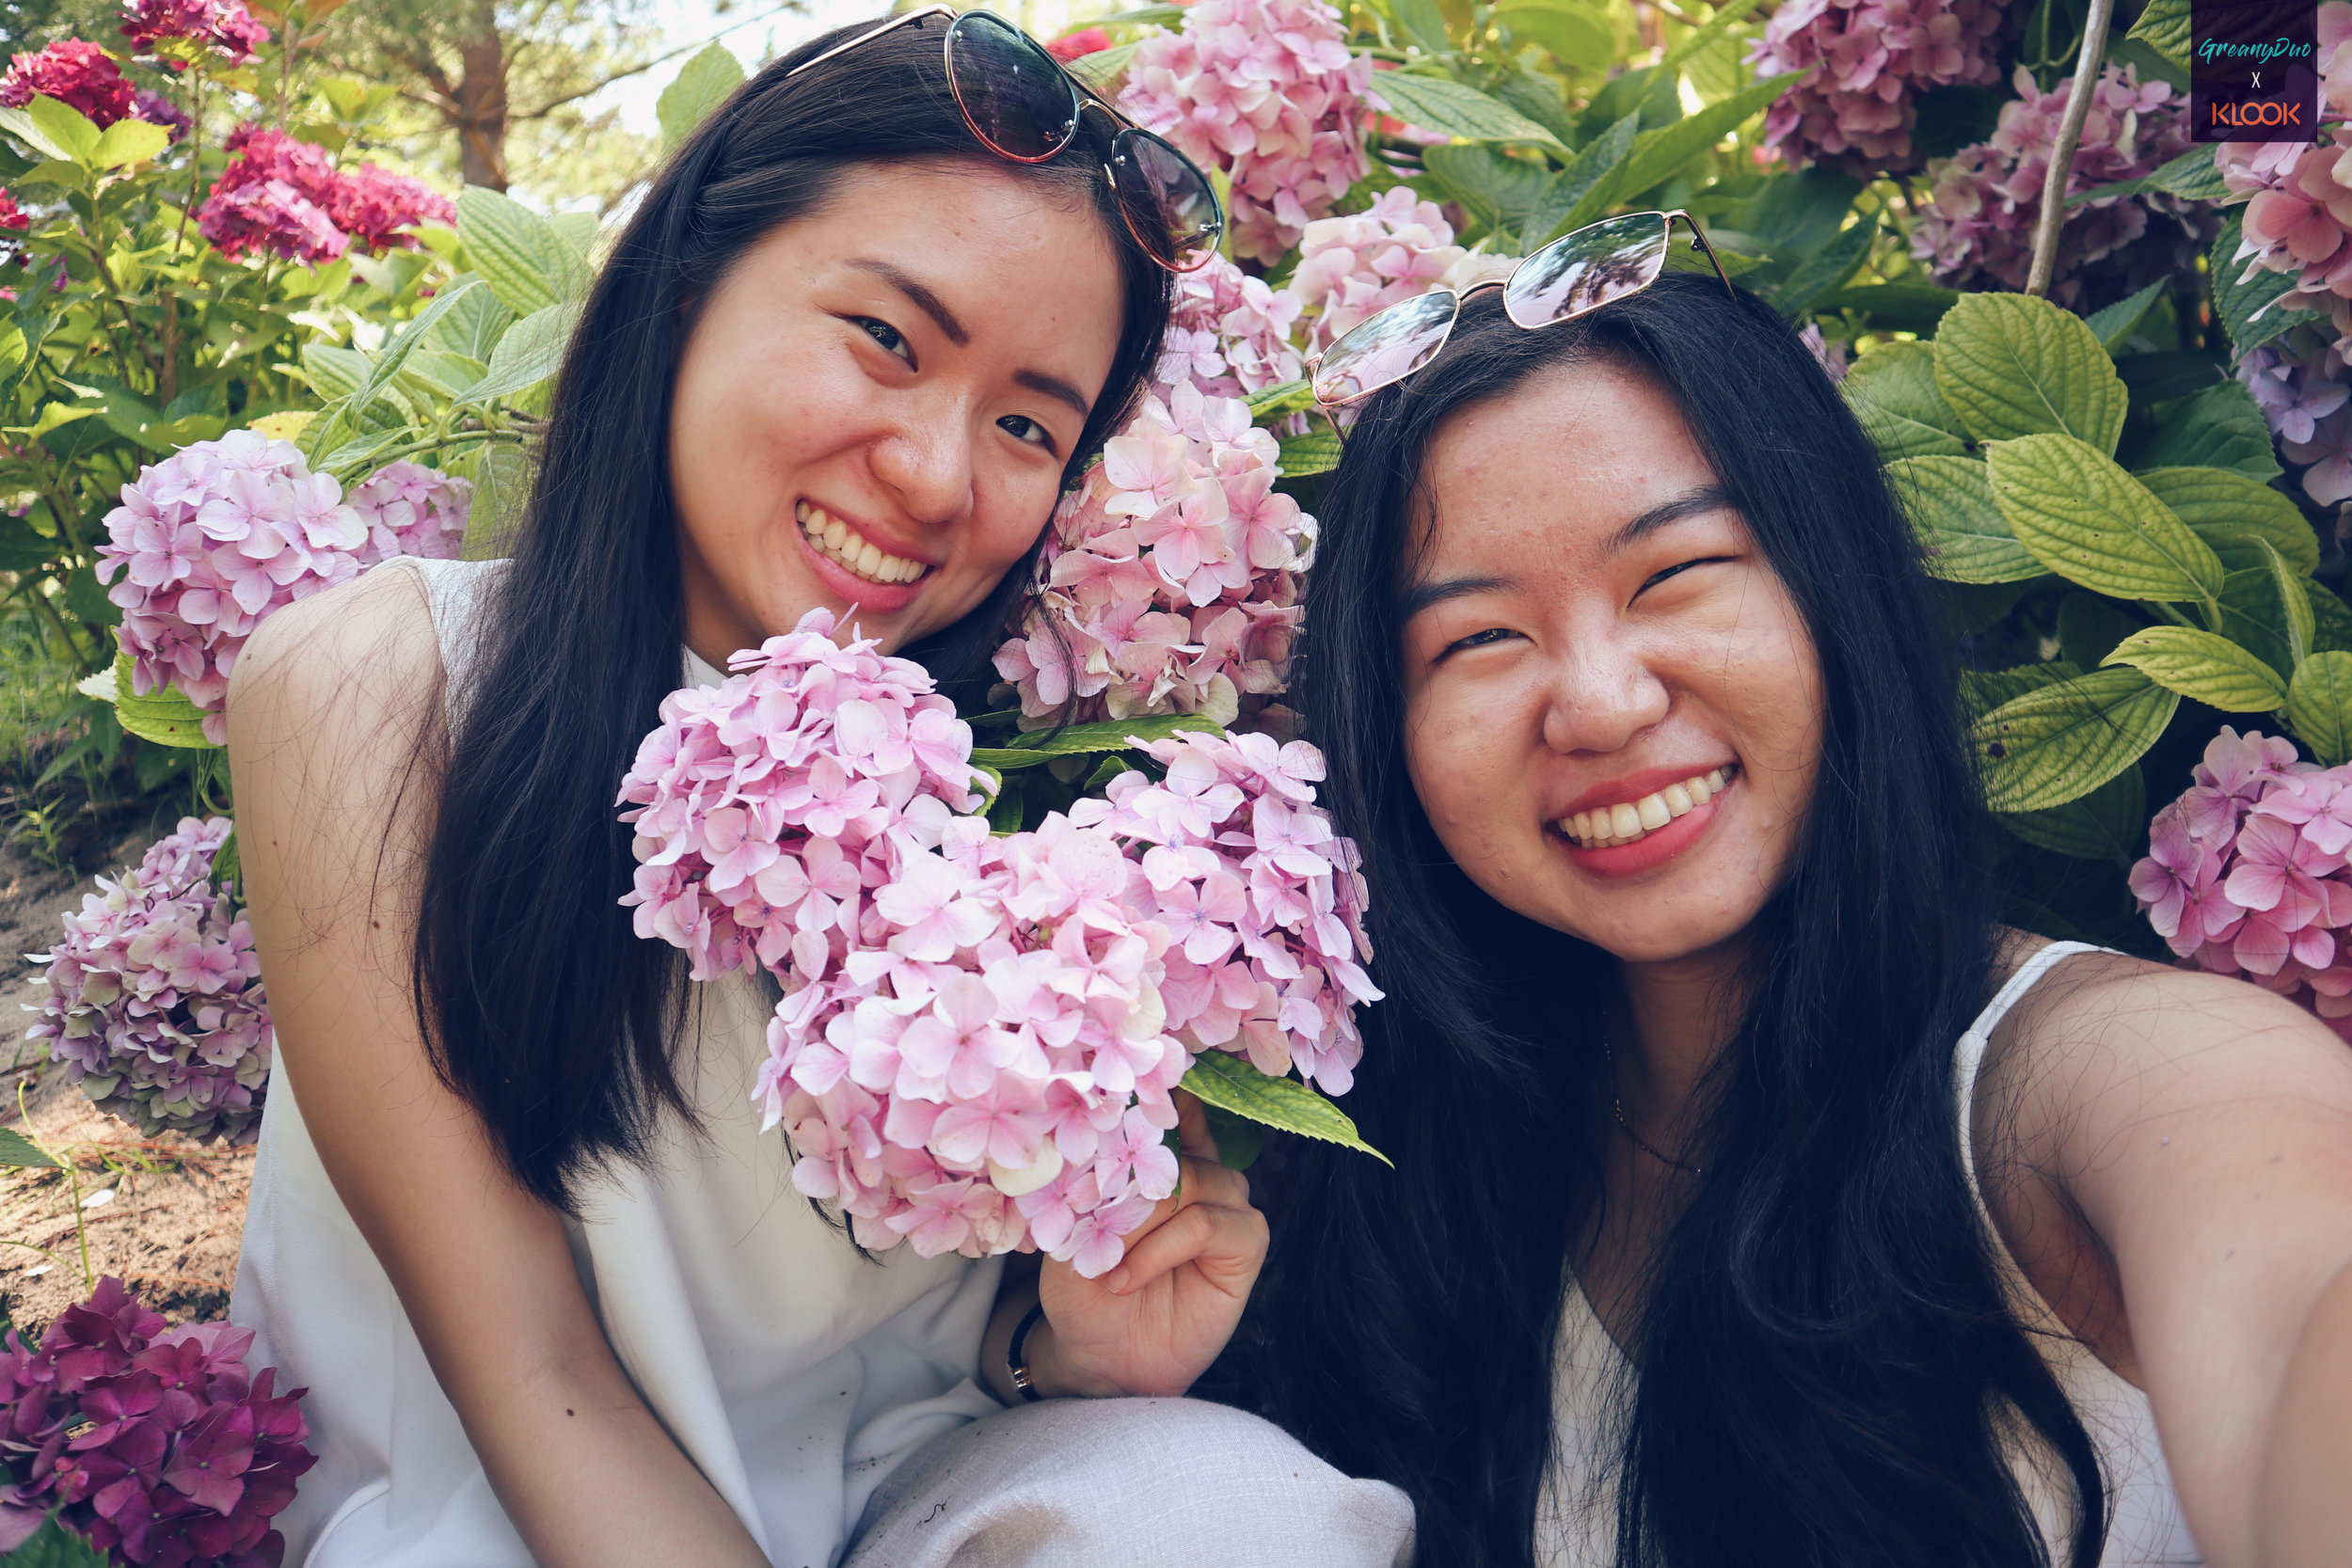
{"type": "Point", "coordinates": [514, 1219]}
{"type": "Point", "coordinates": [1757, 1198]}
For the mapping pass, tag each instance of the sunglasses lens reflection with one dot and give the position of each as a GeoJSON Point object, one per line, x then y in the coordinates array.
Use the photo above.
{"type": "Point", "coordinates": [1170, 205]}
{"type": "Point", "coordinates": [1011, 91]}
{"type": "Point", "coordinates": [1585, 270]}
{"type": "Point", "coordinates": [1385, 349]}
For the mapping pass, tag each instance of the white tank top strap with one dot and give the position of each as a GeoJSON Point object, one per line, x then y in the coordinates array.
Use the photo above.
{"type": "Point", "coordinates": [1968, 1055]}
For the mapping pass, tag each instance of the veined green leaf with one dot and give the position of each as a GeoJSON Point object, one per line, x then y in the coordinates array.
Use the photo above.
{"type": "Point", "coordinates": [1576, 34]}
{"type": "Point", "coordinates": [2217, 428]}
{"type": "Point", "coordinates": [2295, 594]}
{"type": "Point", "coordinates": [2193, 174]}
{"type": "Point", "coordinates": [2256, 618]}
{"type": "Point", "coordinates": [128, 141]}
{"type": "Point", "coordinates": [703, 83]}
{"type": "Point", "coordinates": [1825, 269]}
{"type": "Point", "coordinates": [2203, 668]}
{"type": "Point", "coordinates": [2331, 620]}
{"type": "Point", "coordinates": [2011, 365]}
{"type": "Point", "coordinates": [1958, 523]}
{"type": "Point", "coordinates": [1315, 453]}
{"type": "Point", "coordinates": [1076, 740]}
{"type": "Point", "coordinates": [1231, 1084]}
{"type": "Point", "coordinates": [2250, 300]}
{"type": "Point", "coordinates": [1982, 690]}
{"type": "Point", "coordinates": [472, 326]}
{"type": "Point", "coordinates": [1894, 393]}
{"type": "Point", "coordinates": [501, 486]}
{"type": "Point", "coordinates": [1439, 103]}
{"type": "Point", "coordinates": [2319, 706]}
{"type": "Point", "coordinates": [1424, 24]}
{"type": "Point", "coordinates": [2062, 742]}
{"type": "Point", "coordinates": [1717, 25]}
{"type": "Point", "coordinates": [519, 254]}
{"type": "Point", "coordinates": [2164, 27]}
{"type": "Point", "coordinates": [531, 350]}
{"type": "Point", "coordinates": [2108, 824]}
{"type": "Point", "coordinates": [165, 717]}
{"type": "Point", "coordinates": [383, 366]}
{"type": "Point", "coordinates": [20, 1151]}
{"type": "Point", "coordinates": [24, 128]}
{"type": "Point", "coordinates": [66, 128]}
{"type": "Point", "coordinates": [2114, 324]}
{"type": "Point", "coordinates": [1583, 191]}
{"type": "Point", "coordinates": [1272, 402]}
{"type": "Point", "coordinates": [2091, 523]}
{"type": "Point", "coordinates": [1908, 305]}
{"type": "Point", "coordinates": [2235, 514]}
{"type": "Point", "coordinates": [1493, 187]}
{"type": "Point", "coordinates": [1659, 152]}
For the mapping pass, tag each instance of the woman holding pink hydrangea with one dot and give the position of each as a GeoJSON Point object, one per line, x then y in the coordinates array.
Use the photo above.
{"type": "Point", "coordinates": [515, 1221]}
{"type": "Point", "coordinates": [1757, 1198]}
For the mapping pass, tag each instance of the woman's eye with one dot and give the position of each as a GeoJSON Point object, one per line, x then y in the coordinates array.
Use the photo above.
{"type": "Point", "coordinates": [1023, 428]}
{"type": "Point", "coordinates": [892, 340]}
{"type": "Point", "coordinates": [1482, 638]}
{"type": "Point", "coordinates": [1676, 571]}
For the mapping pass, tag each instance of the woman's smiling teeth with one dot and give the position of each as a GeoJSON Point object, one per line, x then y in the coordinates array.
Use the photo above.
{"type": "Point", "coordinates": [1608, 827]}
{"type": "Point", "coordinates": [837, 541]}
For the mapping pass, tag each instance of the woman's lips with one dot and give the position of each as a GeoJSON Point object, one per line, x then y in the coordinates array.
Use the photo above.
{"type": "Point", "coordinates": [856, 570]}
{"type": "Point", "coordinates": [1649, 846]}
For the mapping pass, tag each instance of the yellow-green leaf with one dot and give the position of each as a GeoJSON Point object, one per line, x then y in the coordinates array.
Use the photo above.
{"type": "Point", "coordinates": [165, 717]}
{"type": "Point", "coordinates": [1315, 453]}
{"type": "Point", "coordinates": [703, 83]}
{"type": "Point", "coordinates": [2164, 26]}
{"type": "Point", "coordinates": [2108, 824]}
{"type": "Point", "coordinates": [2087, 520]}
{"type": "Point", "coordinates": [2203, 668]}
{"type": "Point", "coordinates": [1231, 1084]}
{"type": "Point", "coordinates": [1077, 740]}
{"type": "Point", "coordinates": [1659, 152]}
{"type": "Point", "coordinates": [2302, 623]}
{"type": "Point", "coordinates": [2319, 706]}
{"type": "Point", "coordinates": [2011, 365]}
{"type": "Point", "coordinates": [18, 1149]}
{"type": "Point", "coordinates": [68, 129]}
{"type": "Point", "coordinates": [519, 253]}
{"type": "Point", "coordinates": [128, 141]}
{"type": "Point", "coordinates": [1958, 523]}
{"type": "Point", "coordinates": [2062, 741]}
{"type": "Point", "coordinates": [1894, 394]}
{"type": "Point", "coordinates": [2235, 514]}
{"type": "Point", "coordinates": [1441, 105]}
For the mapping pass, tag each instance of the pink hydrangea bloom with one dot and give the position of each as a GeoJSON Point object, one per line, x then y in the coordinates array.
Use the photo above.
{"type": "Point", "coordinates": [1978, 233]}
{"type": "Point", "coordinates": [221, 534]}
{"type": "Point", "coordinates": [1865, 63]}
{"type": "Point", "coordinates": [1268, 91]}
{"type": "Point", "coordinates": [377, 207]}
{"type": "Point", "coordinates": [224, 27]}
{"type": "Point", "coordinates": [980, 1035]}
{"type": "Point", "coordinates": [2247, 871]}
{"type": "Point", "coordinates": [75, 72]}
{"type": "Point", "coordinates": [1351, 268]}
{"type": "Point", "coordinates": [154, 1445]}
{"type": "Point", "coordinates": [155, 1004]}
{"type": "Point", "coordinates": [1229, 335]}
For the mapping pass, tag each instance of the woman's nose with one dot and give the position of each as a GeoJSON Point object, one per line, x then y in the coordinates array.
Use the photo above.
{"type": "Point", "coordinates": [929, 466]}
{"type": "Point", "coordinates": [1601, 695]}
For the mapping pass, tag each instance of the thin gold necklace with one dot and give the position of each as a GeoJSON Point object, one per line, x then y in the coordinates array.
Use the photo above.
{"type": "Point", "coordinates": [1617, 1103]}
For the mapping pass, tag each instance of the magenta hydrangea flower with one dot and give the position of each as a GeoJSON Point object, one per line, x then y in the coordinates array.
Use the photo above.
{"type": "Point", "coordinates": [221, 534]}
{"type": "Point", "coordinates": [286, 197]}
{"type": "Point", "coordinates": [2247, 871]}
{"type": "Point", "coordinates": [155, 1445]}
{"type": "Point", "coordinates": [155, 1006]}
{"type": "Point", "coordinates": [1268, 91]}
{"type": "Point", "coordinates": [1978, 231]}
{"type": "Point", "coordinates": [75, 72]}
{"type": "Point", "coordinates": [980, 1035]}
{"type": "Point", "coordinates": [154, 108]}
{"type": "Point", "coordinates": [1864, 63]}
{"type": "Point", "coordinates": [224, 27]}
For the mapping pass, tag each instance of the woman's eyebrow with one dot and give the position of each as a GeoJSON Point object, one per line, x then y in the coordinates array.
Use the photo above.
{"type": "Point", "coordinates": [1053, 387]}
{"type": "Point", "coordinates": [1690, 503]}
{"type": "Point", "coordinates": [926, 301]}
{"type": "Point", "coordinates": [1424, 595]}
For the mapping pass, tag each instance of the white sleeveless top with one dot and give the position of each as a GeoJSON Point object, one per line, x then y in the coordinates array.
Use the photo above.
{"type": "Point", "coordinates": [1577, 1527]}
{"type": "Point", "coordinates": [795, 1373]}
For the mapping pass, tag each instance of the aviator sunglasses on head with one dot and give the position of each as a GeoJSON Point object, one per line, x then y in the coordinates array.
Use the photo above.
{"type": "Point", "coordinates": [1578, 272]}
{"type": "Point", "coordinates": [1024, 106]}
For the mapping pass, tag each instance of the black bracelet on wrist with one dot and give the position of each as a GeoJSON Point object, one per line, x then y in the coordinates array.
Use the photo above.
{"type": "Point", "coordinates": [1017, 1354]}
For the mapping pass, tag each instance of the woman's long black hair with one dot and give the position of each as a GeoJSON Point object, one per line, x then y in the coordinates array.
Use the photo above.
{"type": "Point", "coordinates": [1827, 1372]}
{"type": "Point", "coordinates": [537, 1002]}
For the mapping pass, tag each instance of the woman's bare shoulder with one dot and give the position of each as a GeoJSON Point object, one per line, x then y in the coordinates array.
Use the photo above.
{"type": "Point", "coordinates": [364, 651]}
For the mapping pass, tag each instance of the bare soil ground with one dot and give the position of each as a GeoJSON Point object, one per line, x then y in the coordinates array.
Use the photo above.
{"type": "Point", "coordinates": [166, 1214]}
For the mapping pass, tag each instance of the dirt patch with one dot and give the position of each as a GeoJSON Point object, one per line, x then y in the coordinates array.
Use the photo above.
{"type": "Point", "coordinates": [171, 1225]}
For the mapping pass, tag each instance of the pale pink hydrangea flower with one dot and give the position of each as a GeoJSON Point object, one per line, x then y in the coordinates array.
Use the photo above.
{"type": "Point", "coordinates": [412, 510]}
{"type": "Point", "coordinates": [1865, 63]}
{"type": "Point", "coordinates": [1229, 335]}
{"type": "Point", "coordinates": [154, 1002]}
{"type": "Point", "coordinates": [1268, 91]}
{"type": "Point", "coordinates": [980, 1035]}
{"type": "Point", "coordinates": [1351, 268]}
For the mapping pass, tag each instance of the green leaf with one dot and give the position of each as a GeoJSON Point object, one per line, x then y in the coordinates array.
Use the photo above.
{"type": "Point", "coordinates": [1958, 523]}
{"type": "Point", "coordinates": [2302, 623]}
{"type": "Point", "coordinates": [501, 486]}
{"type": "Point", "coordinates": [1577, 35]}
{"type": "Point", "coordinates": [128, 141]}
{"type": "Point", "coordinates": [472, 326]}
{"type": "Point", "coordinates": [2256, 617]}
{"type": "Point", "coordinates": [701, 86]}
{"type": "Point", "coordinates": [1717, 25]}
{"type": "Point", "coordinates": [1817, 273]}
{"type": "Point", "coordinates": [2237, 516]}
{"type": "Point", "coordinates": [1583, 191]}
{"type": "Point", "coordinates": [2061, 742]}
{"type": "Point", "coordinates": [1982, 690]}
{"type": "Point", "coordinates": [1239, 1140]}
{"type": "Point", "coordinates": [165, 717]}
{"type": "Point", "coordinates": [2091, 523]}
{"type": "Point", "coordinates": [1076, 740]}
{"type": "Point", "coordinates": [1272, 402]}
{"type": "Point", "coordinates": [2108, 824]}
{"type": "Point", "coordinates": [1541, 99]}
{"type": "Point", "coordinates": [1905, 306]}
{"type": "Point", "coordinates": [2247, 298]}
{"type": "Point", "coordinates": [1654, 94]}
{"type": "Point", "coordinates": [1315, 453]}
{"type": "Point", "coordinates": [1103, 69]}
{"type": "Point", "coordinates": [1005, 811]}
{"type": "Point", "coordinates": [2331, 620]}
{"type": "Point", "coordinates": [19, 1150]}
{"type": "Point", "coordinates": [2114, 324]}
{"type": "Point", "coordinates": [24, 128]}
{"type": "Point", "coordinates": [2319, 706]}
{"type": "Point", "coordinates": [2090, 625]}
{"type": "Point", "coordinates": [383, 368]}
{"type": "Point", "coordinates": [532, 351]}
{"type": "Point", "coordinates": [2218, 428]}
{"type": "Point", "coordinates": [1659, 152]}
{"type": "Point", "coordinates": [1142, 16]}
{"type": "Point", "coordinates": [520, 255]}
{"type": "Point", "coordinates": [1231, 1084]}
{"type": "Point", "coordinates": [2152, 378]}
{"type": "Point", "coordinates": [1448, 108]}
{"type": "Point", "coordinates": [1423, 24]}
{"type": "Point", "coordinates": [2203, 668]}
{"type": "Point", "coordinates": [1894, 393]}
{"type": "Point", "coordinates": [55, 1546]}
{"type": "Point", "coordinates": [2013, 365]}
{"type": "Point", "coordinates": [1494, 188]}
{"type": "Point", "coordinates": [2193, 175]}
{"type": "Point", "coordinates": [332, 371]}
{"type": "Point", "coordinates": [2164, 26]}
{"type": "Point", "coordinates": [68, 129]}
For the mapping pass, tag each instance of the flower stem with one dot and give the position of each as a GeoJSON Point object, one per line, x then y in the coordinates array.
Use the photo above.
{"type": "Point", "coordinates": [2061, 169]}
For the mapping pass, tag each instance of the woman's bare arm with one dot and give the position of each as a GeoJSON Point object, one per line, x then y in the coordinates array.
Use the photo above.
{"type": "Point", "coordinates": [2201, 1129]}
{"type": "Point", "coordinates": [325, 709]}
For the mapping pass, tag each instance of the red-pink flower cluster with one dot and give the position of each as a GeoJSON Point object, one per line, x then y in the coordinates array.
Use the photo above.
{"type": "Point", "coordinates": [221, 534]}
{"type": "Point", "coordinates": [223, 27]}
{"type": "Point", "coordinates": [980, 1035]}
{"type": "Point", "coordinates": [1979, 231]}
{"type": "Point", "coordinates": [154, 1004]}
{"type": "Point", "coordinates": [157, 1445]}
{"type": "Point", "coordinates": [1865, 63]}
{"type": "Point", "coordinates": [286, 197]}
{"type": "Point", "coordinates": [1170, 581]}
{"type": "Point", "coordinates": [75, 72]}
{"type": "Point", "coordinates": [2248, 872]}
{"type": "Point", "coordinates": [1268, 91]}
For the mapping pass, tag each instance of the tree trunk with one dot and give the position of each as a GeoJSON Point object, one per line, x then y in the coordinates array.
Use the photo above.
{"type": "Point", "coordinates": [482, 100]}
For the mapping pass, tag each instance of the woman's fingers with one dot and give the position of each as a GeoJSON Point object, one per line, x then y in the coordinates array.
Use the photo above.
{"type": "Point", "coordinates": [1192, 1128]}
{"type": "Point", "coordinates": [1209, 1219]}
